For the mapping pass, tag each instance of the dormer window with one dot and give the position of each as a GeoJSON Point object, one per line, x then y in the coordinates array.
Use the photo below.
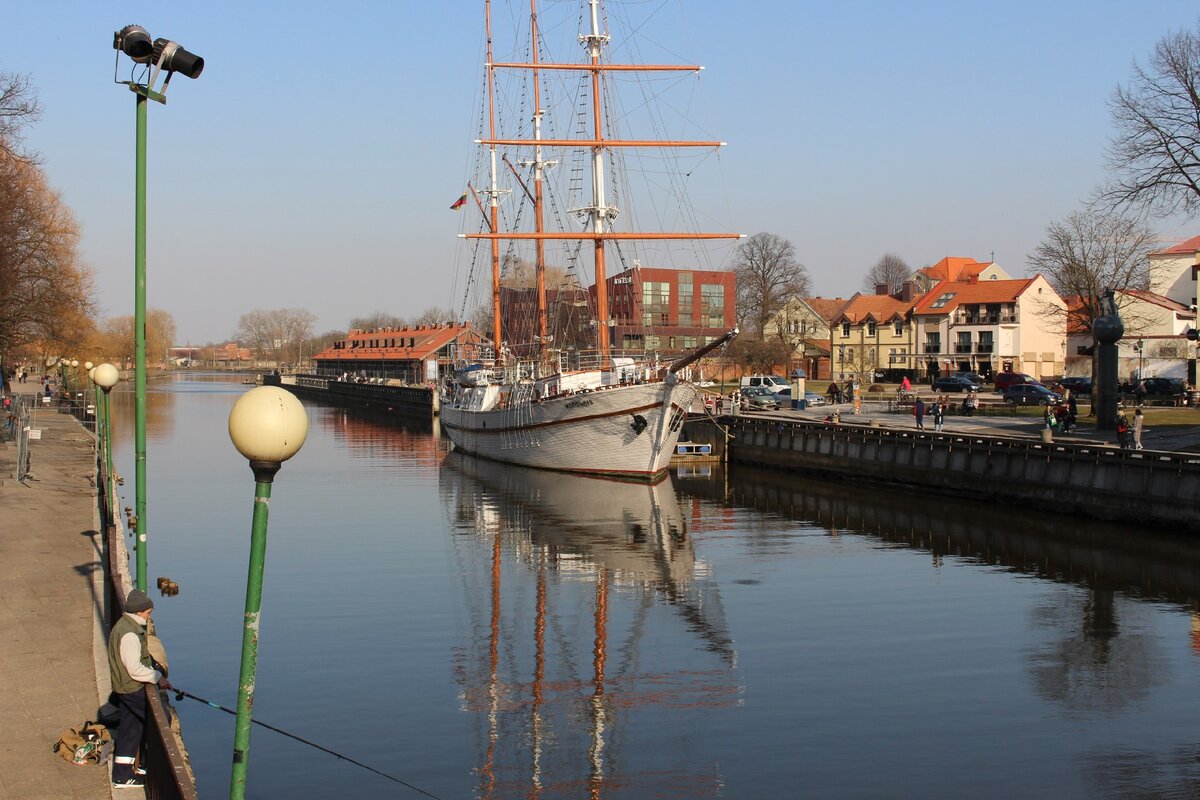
{"type": "Point", "coordinates": [845, 328]}
{"type": "Point", "coordinates": [870, 329]}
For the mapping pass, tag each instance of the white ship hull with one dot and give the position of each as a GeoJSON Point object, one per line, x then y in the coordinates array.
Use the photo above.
{"type": "Point", "coordinates": [623, 431]}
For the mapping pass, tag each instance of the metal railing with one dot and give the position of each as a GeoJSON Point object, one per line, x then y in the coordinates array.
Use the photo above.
{"type": "Point", "coordinates": [16, 429]}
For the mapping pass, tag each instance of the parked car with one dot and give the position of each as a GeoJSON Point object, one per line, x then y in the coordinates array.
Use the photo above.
{"type": "Point", "coordinates": [815, 399]}
{"type": "Point", "coordinates": [974, 377]}
{"type": "Point", "coordinates": [773, 383]}
{"type": "Point", "coordinates": [1172, 389]}
{"type": "Point", "coordinates": [1080, 387]}
{"type": "Point", "coordinates": [1007, 379]}
{"type": "Point", "coordinates": [760, 398]}
{"type": "Point", "coordinates": [1030, 394]}
{"type": "Point", "coordinates": [952, 383]}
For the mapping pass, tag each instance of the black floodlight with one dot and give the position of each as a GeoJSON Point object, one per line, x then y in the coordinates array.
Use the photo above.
{"type": "Point", "coordinates": [133, 41]}
{"type": "Point", "coordinates": [171, 57]}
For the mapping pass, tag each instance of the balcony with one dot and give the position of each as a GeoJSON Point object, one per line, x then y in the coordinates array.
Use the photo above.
{"type": "Point", "coordinates": [962, 347]}
{"type": "Point", "coordinates": [983, 347]}
{"type": "Point", "coordinates": [933, 347]}
{"type": "Point", "coordinates": [977, 319]}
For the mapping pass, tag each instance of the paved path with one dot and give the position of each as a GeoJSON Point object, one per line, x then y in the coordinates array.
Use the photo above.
{"type": "Point", "coordinates": [50, 573]}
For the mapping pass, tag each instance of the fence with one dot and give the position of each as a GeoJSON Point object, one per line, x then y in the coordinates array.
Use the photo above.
{"type": "Point", "coordinates": [17, 429]}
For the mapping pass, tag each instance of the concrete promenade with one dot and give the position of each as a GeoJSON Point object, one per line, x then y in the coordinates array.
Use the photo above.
{"type": "Point", "coordinates": [51, 640]}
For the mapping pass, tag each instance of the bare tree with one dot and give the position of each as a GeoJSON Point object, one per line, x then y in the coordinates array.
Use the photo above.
{"type": "Point", "coordinates": [1156, 148]}
{"type": "Point", "coordinates": [115, 337]}
{"type": "Point", "coordinates": [1088, 253]}
{"type": "Point", "coordinates": [767, 275]}
{"type": "Point", "coordinates": [18, 107]}
{"type": "Point", "coordinates": [279, 334]}
{"type": "Point", "coordinates": [433, 316]}
{"type": "Point", "coordinates": [890, 270]}
{"type": "Point", "coordinates": [377, 320]}
{"type": "Point", "coordinates": [45, 294]}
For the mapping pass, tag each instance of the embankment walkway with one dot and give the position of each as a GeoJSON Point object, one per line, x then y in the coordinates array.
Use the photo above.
{"type": "Point", "coordinates": [50, 605]}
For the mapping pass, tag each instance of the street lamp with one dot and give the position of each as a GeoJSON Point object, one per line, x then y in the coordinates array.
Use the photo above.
{"type": "Point", "coordinates": [90, 396]}
{"type": "Point", "coordinates": [106, 377]}
{"type": "Point", "coordinates": [267, 425]}
{"type": "Point", "coordinates": [74, 382]}
{"type": "Point", "coordinates": [159, 57]}
{"type": "Point", "coordinates": [1141, 347]}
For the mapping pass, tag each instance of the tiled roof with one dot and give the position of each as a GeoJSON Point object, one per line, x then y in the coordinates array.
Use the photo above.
{"type": "Point", "coordinates": [971, 292]}
{"type": "Point", "coordinates": [426, 340]}
{"type": "Point", "coordinates": [955, 268]}
{"type": "Point", "coordinates": [1157, 299]}
{"type": "Point", "coordinates": [877, 307]}
{"type": "Point", "coordinates": [825, 307]}
{"type": "Point", "coordinates": [1192, 245]}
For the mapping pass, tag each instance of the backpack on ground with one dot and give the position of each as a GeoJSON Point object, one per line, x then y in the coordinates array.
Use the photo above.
{"type": "Point", "coordinates": [90, 743]}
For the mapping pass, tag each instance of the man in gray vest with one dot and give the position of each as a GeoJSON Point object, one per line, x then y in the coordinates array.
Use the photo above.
{"type": "Point", "coordinates": [131, 669]}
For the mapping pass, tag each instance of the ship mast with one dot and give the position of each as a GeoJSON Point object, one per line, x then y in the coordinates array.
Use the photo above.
{"type": "Point", "coordinates": [493, 191]}
{"type": "Point", "coordinates": [598, 215]}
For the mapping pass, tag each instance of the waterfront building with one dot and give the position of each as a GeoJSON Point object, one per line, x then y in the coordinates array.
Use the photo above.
{"type": "Point", "coordinates": [669, 311]}
{"type": "Point", "coordinates": [805, 323]}
{"type": "Point", "coordinates": [989, 326]}
{"type": "Point", "coordinates": [958, 268]}
{"type": "Point", "coordinates": [1173, 272]}
{"type": "Point", "coordinates": [1154, 344]}
{"type": "Point", "coordinates": [412, 355]}
{"type": "Point", "coordinates": [873, 336]}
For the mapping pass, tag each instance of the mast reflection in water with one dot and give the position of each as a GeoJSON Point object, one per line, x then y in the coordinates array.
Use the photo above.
{"type": "Point", "coordinates": [621, 552]}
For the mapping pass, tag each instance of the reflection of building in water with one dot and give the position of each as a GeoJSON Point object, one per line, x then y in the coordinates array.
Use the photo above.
{"type": "Point", "coordinates": [377, 434]}
{"type": "Point", "coordinates": [601, 566]}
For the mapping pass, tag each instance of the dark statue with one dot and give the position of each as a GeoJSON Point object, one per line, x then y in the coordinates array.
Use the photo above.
{"type": "Point", "coordinates": [1107, 329]}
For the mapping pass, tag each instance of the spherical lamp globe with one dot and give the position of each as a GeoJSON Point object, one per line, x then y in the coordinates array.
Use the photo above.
{"type": "Point", "coordinates": [74, 362]}
{"type": "Point", "coordinates": [268, 424]}
{"type": "Point", "coordinates": [106, 376]}
{"type": "Point", "coordinates": [88, 366]}
{"type": "Point", "coordinates": [91, 373]}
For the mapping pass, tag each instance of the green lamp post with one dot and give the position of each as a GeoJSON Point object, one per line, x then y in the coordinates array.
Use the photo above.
{"type": "Point", "coordinates": [268, 426]}
{"type": "Point", "coordinates": [106, 377]}
{"type": "Point", "coordinates": [160, 58]}
{"type": "Point", "coordinates": [89, 394]}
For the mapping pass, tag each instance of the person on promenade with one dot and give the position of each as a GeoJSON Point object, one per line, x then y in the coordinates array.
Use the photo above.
{"type": "Point", "coordinates": [939, 415]}
{"type": "Point", "coordinates": [1138, 420]}
{"type": "Point", "coordinates": [131, 670]}
{"type": "Point", "coordinates": [919, 413]}
{"type": "Point", "coordinates": [1123, 431]}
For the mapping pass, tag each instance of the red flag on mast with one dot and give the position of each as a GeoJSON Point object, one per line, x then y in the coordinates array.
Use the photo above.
{"type": "Point", "coordinates": [459, 203]}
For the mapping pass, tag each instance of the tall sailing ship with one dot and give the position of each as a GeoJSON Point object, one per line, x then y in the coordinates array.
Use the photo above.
{"type": "Point", "coordinates": [556, 393]}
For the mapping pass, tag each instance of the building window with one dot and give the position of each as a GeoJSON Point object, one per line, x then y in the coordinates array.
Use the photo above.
{"type": "Point", "coordinates": [652, 343]}
{"type": "Point", "coordinates": [685, 301]}
{"type": "Point", "coordinates": [870, 329]}
{"type": "Point", "coordinates": [945, 298]}
{"type": "Point", "coordinates": [845, 329]}
{"type": "Point", "coordinates": [656, 303]}
{"type": "Point", "coordinates": [933, 343]}
{"type": "Point", "coordinates": [712, 305]}
{"type": "Point", "coordinates": [899, 327]}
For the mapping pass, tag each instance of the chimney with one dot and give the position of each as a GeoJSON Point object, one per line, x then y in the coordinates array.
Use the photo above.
{"type": "Point", "coordinates": [908, 291]}
{"type": "Point", "coordinates": [881, 288]}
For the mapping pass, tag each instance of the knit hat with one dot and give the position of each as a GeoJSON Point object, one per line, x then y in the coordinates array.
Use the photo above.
{"type": "Point", "coordinates": [138, 601]}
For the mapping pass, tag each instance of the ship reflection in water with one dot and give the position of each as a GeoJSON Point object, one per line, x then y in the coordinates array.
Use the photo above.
{"type": "Point", "coordinates": [581, 565]}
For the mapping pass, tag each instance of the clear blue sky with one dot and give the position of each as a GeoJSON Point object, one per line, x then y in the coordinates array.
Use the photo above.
{"type": "Point", "coordinates": [312, 163]}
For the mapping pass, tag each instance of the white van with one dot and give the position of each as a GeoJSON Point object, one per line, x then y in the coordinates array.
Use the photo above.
{"type": "Point", "coordinates": [779, 386]}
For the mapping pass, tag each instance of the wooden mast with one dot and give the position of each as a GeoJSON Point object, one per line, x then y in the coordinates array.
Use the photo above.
{"type": "Point", "coordinates": [599, 212]}
{"type": "Point", "coordinates": [540, 260]}
{"type": "Point", "coordinates": [493, 191]}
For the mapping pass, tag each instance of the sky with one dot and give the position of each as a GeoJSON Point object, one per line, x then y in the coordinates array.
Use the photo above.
{"type": "Point", "coordinates": [312, 163]}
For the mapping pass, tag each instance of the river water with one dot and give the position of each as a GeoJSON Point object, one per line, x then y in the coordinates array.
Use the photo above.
{"type": "Point", "coordinates": [478, 630]}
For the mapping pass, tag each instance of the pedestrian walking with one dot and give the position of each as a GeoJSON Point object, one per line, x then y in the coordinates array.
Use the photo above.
{"type": "Point", "coordinates": [131, 670]}
{"type": "Point", "coordinates": [919, 413]}
{"type": "Point", "coordinates": [1138, 420]}
{"type": "Point", "coordinates": [939, 415]}
{"type": "Point", "coordinates": [1123, 431]}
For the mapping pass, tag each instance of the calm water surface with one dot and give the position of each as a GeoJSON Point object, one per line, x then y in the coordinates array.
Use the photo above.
{"type": "Point", "coordinates": [484, 631]}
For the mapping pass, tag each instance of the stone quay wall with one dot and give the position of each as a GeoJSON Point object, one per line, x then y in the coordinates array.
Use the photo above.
{"type": "Point", "coordinates": [1137, 486]}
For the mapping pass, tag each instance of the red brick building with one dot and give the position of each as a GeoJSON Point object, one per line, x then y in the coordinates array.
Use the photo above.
{"type": "Point", "coordinates": [669, 310]}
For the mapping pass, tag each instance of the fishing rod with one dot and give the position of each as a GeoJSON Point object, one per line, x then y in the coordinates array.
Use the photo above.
{"type": "Point", "coordinates": [180, 694]}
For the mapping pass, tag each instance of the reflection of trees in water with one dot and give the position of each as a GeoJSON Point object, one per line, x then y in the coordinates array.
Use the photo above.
{"type": "Point", "coordinates": [1091, 664]}
{"type": "Point", "coordinates": [1145, 773]}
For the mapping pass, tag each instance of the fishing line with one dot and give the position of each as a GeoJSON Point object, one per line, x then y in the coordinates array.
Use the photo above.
{"type": "Point", "coordinates": [180, 694]}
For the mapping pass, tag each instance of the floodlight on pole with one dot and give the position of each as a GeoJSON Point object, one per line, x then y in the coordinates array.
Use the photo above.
{"type": "Point", "coordinates": [159, 56]}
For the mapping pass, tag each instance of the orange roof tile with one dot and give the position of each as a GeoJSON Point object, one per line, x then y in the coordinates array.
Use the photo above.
{"type": "Point", "coordinates": [971, 292]}
{"type": "Point", "coordinates": [1157, 299]}
{"type": "Point", "coordinates": [1183, 248]}
{"type": "Point", "coordinates": [426, 340]}
{"type": "Point", "coordinates": [825, 307]}
{"type": "Point", "coordinates": [956, 268]}
{"type": "Point", "coordinates": [877, 307]}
